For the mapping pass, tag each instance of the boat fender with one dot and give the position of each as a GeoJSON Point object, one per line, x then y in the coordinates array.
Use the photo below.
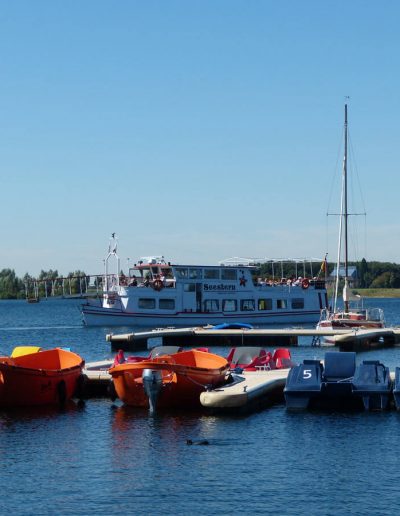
{"type": "Point", "coordinates": [305, 283]}
{"type": "Point", "coordinates": [62, 393]}
{"type": "Point", "coordinates": [111, 391]}
{"type": "Point", "coordinates": [80, 390]}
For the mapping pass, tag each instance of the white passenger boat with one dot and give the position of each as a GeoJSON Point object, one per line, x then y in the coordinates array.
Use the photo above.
{"type": "Point", "coordinates": [159, 293]}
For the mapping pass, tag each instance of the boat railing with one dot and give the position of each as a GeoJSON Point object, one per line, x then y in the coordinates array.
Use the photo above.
{"type": "Point", "coordinates": [112, 283]}
{"type": "Point", "coordinates": [317, 284]}
{"type": "Point", "coordinates": [375, 314]}
{"type": "Point", "coordinates": [324, 315]}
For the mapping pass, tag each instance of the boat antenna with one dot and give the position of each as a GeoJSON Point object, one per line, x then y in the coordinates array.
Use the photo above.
{"type": "Point", "coordinates": [112, 252]}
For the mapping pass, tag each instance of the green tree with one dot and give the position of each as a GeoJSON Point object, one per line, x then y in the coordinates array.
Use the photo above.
{"type": "Point", "coordinates": [362, 272]}
{"type": "Point", "coordinates": [46, 282]}
{"type": "Point", "coordinates": [11, 287]}
{"type": "Point", "coordinates": [78, 282]}
{"type": "Point", "coordinates": [382, 281]}
{"type": "Point", "coordinates": [394, 280]}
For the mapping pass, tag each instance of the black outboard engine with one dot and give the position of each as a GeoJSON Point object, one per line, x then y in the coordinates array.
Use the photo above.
{"type": "Point", "coordinates": [152, 384]}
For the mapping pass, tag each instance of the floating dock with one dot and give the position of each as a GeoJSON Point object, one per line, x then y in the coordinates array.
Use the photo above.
{"type": "Point", "coordinates": [346, 339]}
{"type": "Point", "coordinates": [249, 390]}
{"type": "Point", "coordinates": [97, 380]}
{"type": "Point", "coordinates": [208, 336]}
{"type": "Point", "coordinates": [365, 340]}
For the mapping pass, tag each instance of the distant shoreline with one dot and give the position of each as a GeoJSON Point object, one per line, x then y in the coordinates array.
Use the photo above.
{"type": "Point", "coordinates": [377, 292]}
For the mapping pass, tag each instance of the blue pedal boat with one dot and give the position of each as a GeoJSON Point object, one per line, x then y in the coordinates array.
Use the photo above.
{"type": "Point", "coordinates": [396, 388]}
{"type": "Point", "coordinates": [338, 383]}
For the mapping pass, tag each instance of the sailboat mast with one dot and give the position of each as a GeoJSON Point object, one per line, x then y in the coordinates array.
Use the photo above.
{"type": "Point", "coordinates": [345, 213]}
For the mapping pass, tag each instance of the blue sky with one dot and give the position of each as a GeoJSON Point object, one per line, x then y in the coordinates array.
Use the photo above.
{"type": "Point", "coordinates": [199, 130]}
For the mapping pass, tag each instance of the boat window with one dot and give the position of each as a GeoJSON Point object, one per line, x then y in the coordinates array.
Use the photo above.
{"type": "Point", "coordinates": [189, 287]}
{"type": "Point", "coordinates": [265, 304]}
{"type": "Point", "coordinates": [147, 303]}
{"type": "Point", "coordinates": [135, 273]}
{"type": "Point", "coordinates": [166, 304]}
{"type": "Point", "coordinates": [229, 305]}
{"type": "Point", "coordinates": [229, 274]}
{"type": "Point", "coordinates": [195, 274]}
{"type": "Point", "coordinates": [181, 272]}
{"type": "Point", "coordinates": [247, 305]}
{"type": "Point", "coordinates": [298, 303]}
{"type": "Point", "coordinates": [154, 270]}
{"type": "Point", "coordinates": [211, 273]}
{"type": "Point", "coordinates": [211, 305]}
{"type": "Point", "coordinates": [281, 303]}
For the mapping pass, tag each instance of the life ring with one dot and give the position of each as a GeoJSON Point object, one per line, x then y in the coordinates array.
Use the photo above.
{"type": "Point", "coordinates": [157, 285]}
{"type": "Point", "coordinates": [305, 283]}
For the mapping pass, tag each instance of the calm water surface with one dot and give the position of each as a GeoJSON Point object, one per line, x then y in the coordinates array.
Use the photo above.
{"type": "Point", "coordinates": [104, 458]}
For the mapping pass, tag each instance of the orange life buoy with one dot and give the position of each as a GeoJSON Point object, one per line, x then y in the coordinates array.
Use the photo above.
{"type": "Point", "coordinates": [158, 284]}
{"type": "Point", "coordinates": [305, 283]}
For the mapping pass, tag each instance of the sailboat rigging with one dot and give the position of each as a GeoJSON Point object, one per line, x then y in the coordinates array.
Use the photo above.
{"type": "Point", "coordinates": [350, 316]}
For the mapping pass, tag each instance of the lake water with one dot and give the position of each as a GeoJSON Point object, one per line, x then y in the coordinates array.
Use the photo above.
{"type": "Point", "coordinates": [104, 458]}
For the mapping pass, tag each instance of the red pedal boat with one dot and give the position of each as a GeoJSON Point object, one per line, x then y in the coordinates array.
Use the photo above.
{"type": "Point", "coordinates": [40, 378]}
{"type": "Point", "coordinates": [255, 358]}
{"type": "Point", "coordinates": [169, 381]}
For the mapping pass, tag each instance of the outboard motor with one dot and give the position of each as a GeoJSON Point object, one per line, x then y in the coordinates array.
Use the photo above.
{"type": "Point", "coordinates": [152, 384]}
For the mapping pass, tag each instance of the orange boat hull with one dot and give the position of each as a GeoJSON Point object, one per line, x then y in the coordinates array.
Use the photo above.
{"type": "Point", "coordinates": [44, 378]}
{"type": "Point", "coordinates": [185, 376]}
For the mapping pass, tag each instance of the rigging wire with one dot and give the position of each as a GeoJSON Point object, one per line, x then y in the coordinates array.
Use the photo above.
{"type": "Point", "coordinates": [356, 186]}
{"type": "Point", "coordinates": [334, 179]}
{"type": "Point", "coordinates": [333, 189]}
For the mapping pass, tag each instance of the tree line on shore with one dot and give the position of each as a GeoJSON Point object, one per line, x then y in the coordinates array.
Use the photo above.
{"type": "Point", "coordinates": [369, 275]}
{"type": "Point", "coordinates": [13, 287]}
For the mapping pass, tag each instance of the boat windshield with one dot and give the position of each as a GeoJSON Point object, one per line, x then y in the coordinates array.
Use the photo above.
{"type": "Point", "coordinates": [152, 272]}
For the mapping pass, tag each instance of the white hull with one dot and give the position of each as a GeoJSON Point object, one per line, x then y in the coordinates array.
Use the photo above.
{"type": "Point", "coordinates": [106, 317]}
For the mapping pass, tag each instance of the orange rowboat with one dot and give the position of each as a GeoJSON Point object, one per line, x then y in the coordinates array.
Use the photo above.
{"type": "Point", "coordinates": [169, 381]}
{"type": "Point", "coordinates": [43, 378]}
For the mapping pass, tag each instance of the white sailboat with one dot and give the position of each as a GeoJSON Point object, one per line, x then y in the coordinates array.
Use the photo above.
{"type": "Point", "coordinates": [353, 314]}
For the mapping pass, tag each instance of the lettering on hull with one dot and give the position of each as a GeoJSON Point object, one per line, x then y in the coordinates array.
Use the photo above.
{"type": "Point", "coordinates": [220, 287]}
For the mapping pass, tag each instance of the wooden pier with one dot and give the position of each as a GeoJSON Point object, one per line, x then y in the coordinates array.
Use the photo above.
{"type": "Point", "coordinates": [72, 286]}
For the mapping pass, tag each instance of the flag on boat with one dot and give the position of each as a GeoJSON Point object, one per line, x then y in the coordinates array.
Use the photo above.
{"type": "Point", "coordinates": [324, 267]}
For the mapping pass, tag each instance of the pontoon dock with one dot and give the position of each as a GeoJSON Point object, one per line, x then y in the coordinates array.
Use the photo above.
{"type": "Point", "coordinates": [251, 390]}
{"type": "Point", "coordinates": [208, 336]}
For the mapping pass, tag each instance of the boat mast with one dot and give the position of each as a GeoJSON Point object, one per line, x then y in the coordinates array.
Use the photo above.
{"type": "Point", "coordinates": [345, 215]}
